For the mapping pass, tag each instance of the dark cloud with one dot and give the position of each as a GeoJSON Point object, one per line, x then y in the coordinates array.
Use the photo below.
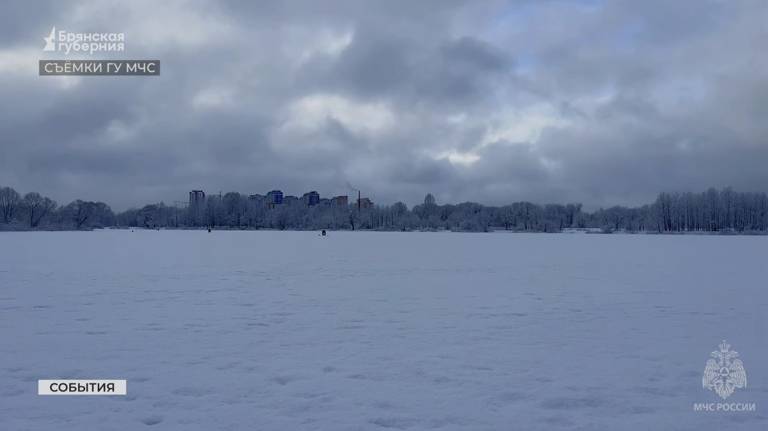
{"type": "Point", "coordinates": [591, 101]}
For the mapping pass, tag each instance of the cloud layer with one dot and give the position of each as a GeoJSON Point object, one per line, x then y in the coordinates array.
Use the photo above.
{"type": "Point", "coordinates": [598, 102]}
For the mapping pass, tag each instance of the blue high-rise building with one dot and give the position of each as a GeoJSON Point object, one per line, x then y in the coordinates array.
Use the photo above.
{"type": "Point", "coordinates": [275, 197]}
{"type": "Point", "coordinates": [312, 198]}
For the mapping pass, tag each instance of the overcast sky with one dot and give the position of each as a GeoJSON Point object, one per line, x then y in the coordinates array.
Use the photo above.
{"type": "Point", "coordinates": [599, 102]}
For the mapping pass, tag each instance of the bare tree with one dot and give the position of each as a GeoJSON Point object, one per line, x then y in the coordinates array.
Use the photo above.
{"type": "Point", "coordinates": [36, 207]}
{"type": "Point", "coordinates": [9, 203]}
{"type": "Point", "coordinates": [82, 212]}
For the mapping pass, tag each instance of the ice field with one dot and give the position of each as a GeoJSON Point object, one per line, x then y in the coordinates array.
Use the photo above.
{"type": "Point", "coordinates": [379, 331]}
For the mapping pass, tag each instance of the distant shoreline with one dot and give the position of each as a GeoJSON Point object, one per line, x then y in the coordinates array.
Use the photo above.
{"type": "Point", "coordinates": [500, 230]}
{"type": "Point", "coordinates": [714, 211]}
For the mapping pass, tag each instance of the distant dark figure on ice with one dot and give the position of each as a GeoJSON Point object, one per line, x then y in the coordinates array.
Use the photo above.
{"type": "Point", "coordinates": [323, 232]}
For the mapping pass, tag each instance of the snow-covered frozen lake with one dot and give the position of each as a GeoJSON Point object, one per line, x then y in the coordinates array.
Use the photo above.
{"type": "Point", "coordinates": [378, 331]}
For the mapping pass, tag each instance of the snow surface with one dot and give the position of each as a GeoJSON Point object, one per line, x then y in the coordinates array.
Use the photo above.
{"type": "Point", "coordinates": [377, 331]}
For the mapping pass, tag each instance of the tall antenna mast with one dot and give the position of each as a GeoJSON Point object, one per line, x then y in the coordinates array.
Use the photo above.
{"type": "Point", "coordinates": [355, 189]}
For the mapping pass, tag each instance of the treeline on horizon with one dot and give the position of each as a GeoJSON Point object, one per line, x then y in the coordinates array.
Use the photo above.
{"type": "Point", "coordinates": [724, 211]}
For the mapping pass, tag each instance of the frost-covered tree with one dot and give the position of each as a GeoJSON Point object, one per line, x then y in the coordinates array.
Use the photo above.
{"type": "Point", "coordinates": [36, 208]}
{"type": "Point", "coordinates": [81, 214]}
{"type": "Point", "coordinates": [9, 204]}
